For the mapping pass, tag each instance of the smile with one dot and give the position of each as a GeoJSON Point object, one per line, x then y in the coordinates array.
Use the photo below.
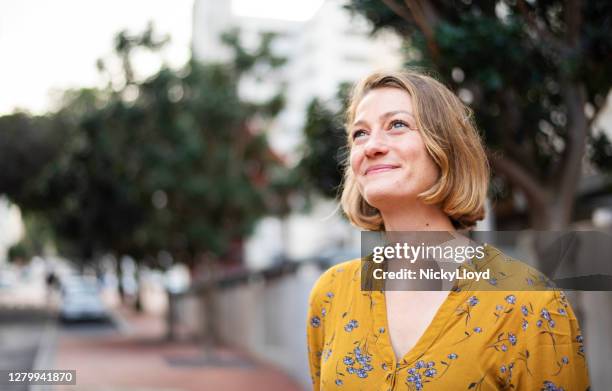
{"type": "Point", "coordinates": [379, 168]}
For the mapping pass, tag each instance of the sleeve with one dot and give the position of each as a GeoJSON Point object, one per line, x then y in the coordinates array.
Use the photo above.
{"type": "Point", "coordinates": [315, 333]}
{"type": "Point", "coordinates": [553, 356]}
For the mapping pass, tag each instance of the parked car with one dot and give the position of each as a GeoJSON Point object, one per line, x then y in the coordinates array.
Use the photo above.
{"type": "Point", "coordinates": [7, 279]}
{"type": "Point", "coordinates": [81, 300]}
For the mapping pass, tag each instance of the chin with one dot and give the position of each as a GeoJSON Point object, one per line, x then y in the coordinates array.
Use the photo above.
{"type": "Point", "coordinates": [381, 196]}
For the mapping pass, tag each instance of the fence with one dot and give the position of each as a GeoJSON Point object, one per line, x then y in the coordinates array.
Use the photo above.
{"type": "Point", "coordinates": [262, 313]}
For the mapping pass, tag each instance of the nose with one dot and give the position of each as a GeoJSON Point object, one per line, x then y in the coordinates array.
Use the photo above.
{"type": "Point", "coordinates": [376, 144]}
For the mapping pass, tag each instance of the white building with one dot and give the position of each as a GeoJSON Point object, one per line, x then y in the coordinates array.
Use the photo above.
{"type": "Point", "coordinates": [212, 18]}
{"type": "Point", "coordinates": [11, 227]}
{"type": "Point", "coordinates": [331, 47]}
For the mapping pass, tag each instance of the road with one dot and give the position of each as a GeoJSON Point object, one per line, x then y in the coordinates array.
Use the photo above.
{"type": "Point", "coordinates": [21, 333]}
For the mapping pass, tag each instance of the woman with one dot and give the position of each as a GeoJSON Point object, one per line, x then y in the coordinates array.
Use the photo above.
{"type": "Point", "coordinates": [416, 163]}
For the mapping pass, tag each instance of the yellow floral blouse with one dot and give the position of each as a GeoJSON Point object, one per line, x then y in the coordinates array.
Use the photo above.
{"type": "Point", "coordinates": [478, 340]}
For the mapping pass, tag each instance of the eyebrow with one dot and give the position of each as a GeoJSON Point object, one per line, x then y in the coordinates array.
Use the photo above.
{"type": "Point", "coordinates": [385, 116]}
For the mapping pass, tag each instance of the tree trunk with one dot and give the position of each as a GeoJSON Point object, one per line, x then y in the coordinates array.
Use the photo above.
{"type": "Point", "coordinates": [138, 307]}
{"type": "Point", "coordinates": [119, 272]}
{"type": "Point", "coordinates": [205, 268]}
{"type": "Point", "coordinates": [211, 337]}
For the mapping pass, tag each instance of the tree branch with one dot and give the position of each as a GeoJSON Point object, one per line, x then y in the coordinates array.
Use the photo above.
{"type": "Point", "coordinates": [399, 10]}
{"type": "Point", "coordinates": [534, 192]}
{"type": "Point", "coordinates": [426, 18]}
{"type": "Point", "coordinates": [574, 96]}
{"type": "Point", "coordinates": [573, 21]}
{"type": "Point", "coordinates": [423, 15]}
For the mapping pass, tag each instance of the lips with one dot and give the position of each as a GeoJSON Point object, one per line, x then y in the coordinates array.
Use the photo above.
{"type": "Point", "coordinates": [379, 168]}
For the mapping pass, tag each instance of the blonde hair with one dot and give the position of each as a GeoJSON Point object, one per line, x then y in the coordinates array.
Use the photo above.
{"type": "Point", "coordinates": [451, 139]}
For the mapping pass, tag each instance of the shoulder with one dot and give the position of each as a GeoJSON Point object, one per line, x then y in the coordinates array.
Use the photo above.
{"type": "Point", "coordinates": [506, 273]}
{"type": "Point", "coordinates": [334, 279]}
{"type": "Point", "coordinates": [550, 312]}
{"type": "Point", "coordinates": [518, 292]}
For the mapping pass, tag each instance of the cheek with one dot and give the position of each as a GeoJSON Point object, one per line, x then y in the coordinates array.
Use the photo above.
{"type": "Point", "coordinates": [433, 172]}
{"type": "Point", "coordinates": [430, 169]}
{"type": "Point", "coordinates": [355, 159]}
{"type": "Point", "coordinates": [416, 155]}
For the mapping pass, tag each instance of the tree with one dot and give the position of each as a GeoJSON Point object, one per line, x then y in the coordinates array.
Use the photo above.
{"type": "Point", "coordinates": [323, 151]}
{"type": "Point", "coordinates": [27, 144]}
{"type": "Point", "coordinates": [37, 239]}
{"type": "Point", "coordinates": [536, 74]}
{"type": "Point", "coordinates": [177, 162]}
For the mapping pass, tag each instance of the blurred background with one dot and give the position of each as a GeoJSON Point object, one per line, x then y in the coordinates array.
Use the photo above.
{"type": "Point", "coordinates": [169, 171]}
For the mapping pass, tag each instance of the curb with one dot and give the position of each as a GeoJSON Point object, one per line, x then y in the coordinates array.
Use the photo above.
{"type": "Point", "coordinates": [44, 358]}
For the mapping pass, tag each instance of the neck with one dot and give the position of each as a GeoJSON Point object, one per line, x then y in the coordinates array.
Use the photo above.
{"type": "Point", "coordinates": [416, 217]}
{"type": "Point", "coordinates": [402, 225]}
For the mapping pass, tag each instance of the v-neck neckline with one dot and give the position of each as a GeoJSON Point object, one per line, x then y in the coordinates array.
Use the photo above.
{"type": "Point", "coordinates": [429, 336]}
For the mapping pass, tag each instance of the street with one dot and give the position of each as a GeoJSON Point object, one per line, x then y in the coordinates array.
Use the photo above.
{"type": "Point", "coordinates": [127, 354]}
{"type": "Point", "coordinates": [20, 336]}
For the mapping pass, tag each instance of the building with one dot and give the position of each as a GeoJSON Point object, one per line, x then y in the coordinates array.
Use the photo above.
{"type": "Point", "coordinates": [11, 227]}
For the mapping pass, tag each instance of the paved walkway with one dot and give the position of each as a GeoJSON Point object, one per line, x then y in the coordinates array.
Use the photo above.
{"type": "Point", "coordinates": [138, 359]}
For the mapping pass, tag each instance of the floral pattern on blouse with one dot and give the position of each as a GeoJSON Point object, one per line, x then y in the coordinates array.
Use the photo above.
{"type": "Point", "coordinates": [478, 340]}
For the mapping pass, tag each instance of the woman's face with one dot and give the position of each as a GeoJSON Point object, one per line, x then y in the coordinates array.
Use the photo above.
{"type": "Point", "coordinates": [388, 156]}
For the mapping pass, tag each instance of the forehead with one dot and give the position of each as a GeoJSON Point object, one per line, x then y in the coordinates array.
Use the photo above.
{"type": "Point", "coordinates": [381, 100]}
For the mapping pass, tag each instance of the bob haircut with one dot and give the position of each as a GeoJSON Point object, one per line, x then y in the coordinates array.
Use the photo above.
{"type": "Point", "coordinates": [451, 139]}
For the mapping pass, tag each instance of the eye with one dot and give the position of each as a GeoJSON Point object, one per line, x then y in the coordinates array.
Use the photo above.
{"type": "Point", "coordinates": [358, 133]}
{"type": "Point", "coordinates": [397, 124]}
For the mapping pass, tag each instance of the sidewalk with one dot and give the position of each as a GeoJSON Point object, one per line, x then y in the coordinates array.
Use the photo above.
{"type": "Point", "coordinates": [138, 359]}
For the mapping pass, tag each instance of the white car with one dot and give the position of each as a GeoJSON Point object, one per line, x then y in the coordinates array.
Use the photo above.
{"type": "Point", "coordinates": [81, 300]}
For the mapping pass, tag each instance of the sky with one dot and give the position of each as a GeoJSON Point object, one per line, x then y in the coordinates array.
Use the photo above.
{"type": "Point", "coordinates": [47, 46]}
